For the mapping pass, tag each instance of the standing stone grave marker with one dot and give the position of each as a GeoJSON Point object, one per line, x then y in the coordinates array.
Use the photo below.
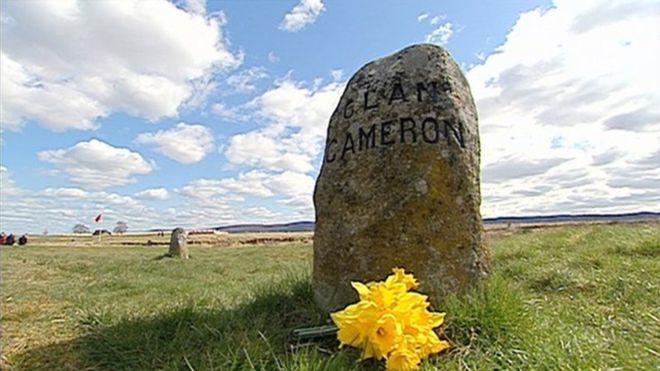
{"type": "Point", "coordinates": [178, 244]}
{"type": "Point", "coordinates": [399, 184]}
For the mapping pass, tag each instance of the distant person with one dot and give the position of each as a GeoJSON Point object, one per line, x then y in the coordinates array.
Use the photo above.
{"type": "Point", "coordinates": [23, 240]}
{"type": "Point", "coordinates": [11, 240]}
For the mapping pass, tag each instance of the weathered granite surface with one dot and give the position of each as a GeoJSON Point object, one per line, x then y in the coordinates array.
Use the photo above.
{"type": "Point", "coordinates": [399, 184]}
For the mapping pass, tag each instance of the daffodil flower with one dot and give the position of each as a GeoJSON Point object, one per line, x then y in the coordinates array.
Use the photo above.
{"type": "Point", "coordinates": [390, 322]}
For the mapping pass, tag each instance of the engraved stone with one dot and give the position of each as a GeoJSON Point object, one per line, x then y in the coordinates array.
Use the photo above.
{"type": "Point", "coordinates": [399, 184]}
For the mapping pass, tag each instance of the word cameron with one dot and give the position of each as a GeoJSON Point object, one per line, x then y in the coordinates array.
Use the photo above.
{"type": "Point", "coordinates": [387, 133]}
{"type": "Point", "coordinates": [399, 130]}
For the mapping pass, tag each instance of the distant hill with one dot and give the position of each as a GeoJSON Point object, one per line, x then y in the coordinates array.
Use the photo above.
{"type": "Point", "coordinates": [304, 226]}
{"type": "Point", "coordinates": [573, 218]}
{"type": "Point", "coordinates": [287, 227]}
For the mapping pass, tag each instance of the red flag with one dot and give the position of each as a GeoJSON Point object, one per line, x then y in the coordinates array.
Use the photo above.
{"type": "Point", "coordinates": [97, 219]}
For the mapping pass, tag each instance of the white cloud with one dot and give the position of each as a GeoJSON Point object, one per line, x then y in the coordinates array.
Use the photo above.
{"type": "Point", "coordinates": [7, 186]}
{"type": "Point", "coordinates": [201, 90]}
{"type": "Point", "coordinates": [59, 209]}
{"type": "Point", "coordinates": [267, 149]}
{"type": "Point", "coordinates": [185, 143]}
{"type": "Point", "coordinates": [337, 74]}
{"type": "Point", "coordinates": [303, 14]}
{"type": "Point", "coordinates": [68, 193]}
{"type": "Point", "coordinates": [292, 184]}
{"type": "Point", "coordinates": [291, 187]}
{"type": "Point", "coordinates": [96, 164]}
{"type": "Point", "coordinates": [241, 199]}
{"type": "Point", "coordinates": [273, 58]}
{"type": "Point", "coordinates": [297, 118]}
{"type": "Point", "coordinates": [422, 17]}
{"type": "Point", "coordinates": [98, 197]}
{"type": "Point", "coordinates": [246, 184]}
{"type": "Point", "coordinates": [568, 109]}
{"type": "Point", "coordinates": [58, 106]}
{"type": "Point", "coordinates": [201, 203]}
{"type": "Point", "coordinates": [282, 151]}
{"type": "Point", "coordinates": [238, 113]}
{"type": "Point", "coordinates": [435, 20]}
{"type": "Point", "coordinates": [441, 34]}
{"type": "Point", "coordinates": [243, 81]}
{"type": "Point", "coordinates": [65, 64]}
{"type": "Point", "coordinates": [193, 6]}
{"type": "Point", "coordinates": [153, 194]}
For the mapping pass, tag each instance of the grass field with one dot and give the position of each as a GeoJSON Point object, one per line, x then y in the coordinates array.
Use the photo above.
{"type": "Point", "coordinates": [576, 297]}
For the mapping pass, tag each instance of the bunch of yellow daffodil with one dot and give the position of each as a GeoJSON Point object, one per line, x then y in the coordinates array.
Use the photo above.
{"type": "Point", "coordinates": [391, 322]}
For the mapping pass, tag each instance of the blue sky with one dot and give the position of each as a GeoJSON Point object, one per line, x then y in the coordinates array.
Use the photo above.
{"type": "Point", "coordinates": [198, 114]}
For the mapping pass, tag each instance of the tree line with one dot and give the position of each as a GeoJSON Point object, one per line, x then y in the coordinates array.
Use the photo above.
{"type": "Point", "coordinates": [120, 227]}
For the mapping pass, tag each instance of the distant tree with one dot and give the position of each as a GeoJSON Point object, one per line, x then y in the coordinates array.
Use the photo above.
{"type": "Point", "coordinates": [81, 228]}
{"type": "Point", "coordinates": [121, 227]}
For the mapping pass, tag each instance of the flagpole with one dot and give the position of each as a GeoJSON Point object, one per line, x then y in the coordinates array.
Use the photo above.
{"type": "Point", "coordinates": [97, 220]}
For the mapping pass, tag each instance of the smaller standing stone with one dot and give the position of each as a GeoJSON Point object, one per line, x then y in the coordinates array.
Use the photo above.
{"type": "Point", "coordinates": [179, 244]}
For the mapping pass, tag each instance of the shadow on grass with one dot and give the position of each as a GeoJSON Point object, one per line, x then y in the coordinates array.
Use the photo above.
{"type": "Point", "coordinates": [252, 336]}
{"type": "Point", "coordinates": [488, 326]}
